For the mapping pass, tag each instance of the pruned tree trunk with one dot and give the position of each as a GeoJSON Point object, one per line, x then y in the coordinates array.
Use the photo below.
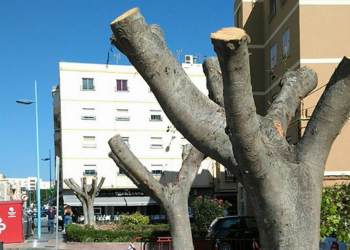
{"type": "Point", "coordinates": [86, 195]}
{"type": "Point", "coordinates": [83, 203]}
{"type": "Point", "coordinates": [283, 181]}
{"type": "Point", "coordinates": [172, 196]}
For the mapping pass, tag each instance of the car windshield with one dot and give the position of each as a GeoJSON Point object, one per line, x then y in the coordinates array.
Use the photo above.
{"type": "Point", "coordinates": [228, 223]}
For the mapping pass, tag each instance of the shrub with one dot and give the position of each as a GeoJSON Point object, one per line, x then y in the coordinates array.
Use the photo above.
{"type": "Point", "coordinates": [121, 233]}
{"type": "Point", "coordinates": [206, 210]}
{"type": "Point", "coordinates": [135, 219]}
{"type": "Point", "coordinates": [335, 212]}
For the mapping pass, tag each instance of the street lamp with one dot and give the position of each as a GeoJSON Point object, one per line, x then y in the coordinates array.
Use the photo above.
{"type": "Point", "coordinates": [38, 200]}
{"type": "Point", "coordinates": [49, 159]}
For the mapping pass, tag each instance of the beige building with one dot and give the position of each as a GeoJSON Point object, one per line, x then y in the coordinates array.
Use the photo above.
{"type": "Point", "coordinates": [288, 35]}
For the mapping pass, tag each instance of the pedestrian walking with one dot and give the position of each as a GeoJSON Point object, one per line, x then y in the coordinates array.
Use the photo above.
{"type": "Point", "coordinates": [67, 217]}
{"type": "Point", "coordinates": [62, 214]}
{"type": "Point", "coordinates": [51, 217]}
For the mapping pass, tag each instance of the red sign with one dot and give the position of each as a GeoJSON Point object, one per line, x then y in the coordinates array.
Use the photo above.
{"type": "Point", "coordinates": [11, 228]}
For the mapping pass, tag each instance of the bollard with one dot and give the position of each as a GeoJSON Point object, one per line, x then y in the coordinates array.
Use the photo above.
{"type": "Point", "coordinates": [1, 245]}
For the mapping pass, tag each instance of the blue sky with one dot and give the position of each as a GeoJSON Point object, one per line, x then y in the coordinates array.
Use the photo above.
{"type": "Point", "coordinates": [36, 35]}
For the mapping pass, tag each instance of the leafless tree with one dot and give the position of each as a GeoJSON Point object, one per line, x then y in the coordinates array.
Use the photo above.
{"type": "Point", "coordinates": [86, 195]}
{"type": "Point", "coordinates": [283, 181]}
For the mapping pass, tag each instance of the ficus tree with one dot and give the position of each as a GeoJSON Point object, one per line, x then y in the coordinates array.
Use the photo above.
{"type": "Point", "coordinates": [283, 181]}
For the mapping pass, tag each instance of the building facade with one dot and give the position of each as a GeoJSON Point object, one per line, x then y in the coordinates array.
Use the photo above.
{"type": "Point", "coordinates": [290, 34]}
{"type": "Point", "coordinates": [92, 103]}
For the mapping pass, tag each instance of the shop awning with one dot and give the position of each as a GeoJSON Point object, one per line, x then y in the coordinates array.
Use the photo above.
{"type": "Point", "coordinates": [72, 200]}
{"type": "Point", "coordinates": [139, 201]}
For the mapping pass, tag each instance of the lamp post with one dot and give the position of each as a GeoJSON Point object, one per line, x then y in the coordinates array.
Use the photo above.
{"type": "Point", "coordinates": [38, 200]}
{"type": "Point", "coordinates": [49, 159]}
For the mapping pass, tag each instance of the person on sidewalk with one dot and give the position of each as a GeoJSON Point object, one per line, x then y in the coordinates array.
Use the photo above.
{"type": "Point", "coordinates": [51, 217]}
{"type": "Point", "coordinates": [67, 217]}
{"type": "Point", "coordinates": [62, 214]}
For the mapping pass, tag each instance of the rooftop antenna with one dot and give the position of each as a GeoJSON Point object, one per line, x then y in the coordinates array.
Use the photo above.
{"type": "Point", "coordinates": [117, 57]}
{"type": "Point", "coordinates": [178, 53]}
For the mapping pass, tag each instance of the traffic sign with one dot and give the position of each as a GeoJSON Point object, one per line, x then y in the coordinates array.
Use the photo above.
{"type": "Point", "coordinates": [24, 197]}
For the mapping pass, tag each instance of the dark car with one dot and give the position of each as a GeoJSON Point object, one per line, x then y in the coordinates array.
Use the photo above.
{"type": "Point", "coordinates": [234, 232]}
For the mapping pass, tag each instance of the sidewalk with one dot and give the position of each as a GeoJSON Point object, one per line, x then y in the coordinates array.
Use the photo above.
{"type": "Point", "coordinates": [48, 241]}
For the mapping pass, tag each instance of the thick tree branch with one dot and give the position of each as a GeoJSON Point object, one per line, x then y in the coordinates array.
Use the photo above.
{"type": "Point", "coordinates": [243, 127]}
{"type": "Point", "coordinates": [190, 166]}
{"type": "Point", "coordinates": [295, 86]}
{"type": "Point", "coordinates": [74, 186]}
{"type": "Point", "coordinates": [213, 74]}
{"type": "Point", "coordinates": [99, 186]}
{"type": "Point", "coordinates": [328, 118]}
{"type": "Point", "coordinates": [197, 118]}
{"type": "Point", "coordinates": [142, 186]}
{"type": "Point", "coordinates": [134, 166]}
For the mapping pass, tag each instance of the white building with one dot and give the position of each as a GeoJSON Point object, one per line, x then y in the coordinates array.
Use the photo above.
{"type": "Point", "coordinates": [92, 103]}
{"type": "Point", "coordinates": [29, 183]}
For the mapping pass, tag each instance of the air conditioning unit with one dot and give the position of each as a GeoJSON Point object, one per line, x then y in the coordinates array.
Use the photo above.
{"type": "Point", "coordinates": [188, 59]}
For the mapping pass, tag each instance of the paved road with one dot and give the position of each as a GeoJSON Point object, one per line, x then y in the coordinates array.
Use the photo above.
{"type": "Point", "coordinates": [48, 241]}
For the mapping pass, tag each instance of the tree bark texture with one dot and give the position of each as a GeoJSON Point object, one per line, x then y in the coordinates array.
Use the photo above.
{"type": "Point", "coordinates": [86, 195]}
{"type": "Point", "coordinates": [172, 196]}
{"type": "Point", "coordinates": [283, 181]}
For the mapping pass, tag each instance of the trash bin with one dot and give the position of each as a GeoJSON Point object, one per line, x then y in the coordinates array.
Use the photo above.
{"type": "Point", "coordinates": [11, 227]}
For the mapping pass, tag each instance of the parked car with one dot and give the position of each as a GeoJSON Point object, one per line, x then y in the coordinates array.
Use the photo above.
{"type": "Point", "coordinates": [42, 219]}
{"type": "Point", "coordinates": [331, 243]}
{"type": "Point", "coordinates": [234, 232]}
{"type": "Point", "coordinates": [28, 225]}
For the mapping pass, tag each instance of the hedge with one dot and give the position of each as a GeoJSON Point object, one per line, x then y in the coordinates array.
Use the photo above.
{"type": "Point", "coordinates": [75, 233]}
{"type": "Point", "coordinates": [122, 233]}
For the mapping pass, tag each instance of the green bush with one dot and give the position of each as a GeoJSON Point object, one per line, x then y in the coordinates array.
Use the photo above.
{"type": "Point", "coordinates": [121, 233]}
{"type": "Point", "coordinates": [335, 212]}
{"type": "Point", "coordinates": [135, 219]}
{"type": "Point", "coordinates": [206, 210]}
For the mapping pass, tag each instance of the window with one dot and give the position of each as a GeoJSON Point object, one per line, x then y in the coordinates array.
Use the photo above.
{"type": "Point", "coordinates": [272, 9]}
{"type": "Point", "coordinates": [88, 84]}
{"type": "Point", "coordinates": [229, 177]}
{"type": "Point", "coordinates": [122, 85]}
{"type": "Point", "coordinates": [285, 43]}
{"type": "Point", "coordinates": [273, 56]}
{"type": "Point", "coordinates": [89, 142]}
{"type": "Point", "coordinates": [156, 142]}
{"type": "Point", "coordinates": [123, 115]}
{"type": "Point", "coordinates": [156, 116]}
{"type": "Point", "coordinates": [126, 141]}
{"type": "Point", "coordinates": [121, 172]}
{"type": "Point", "coordinates": [88, 117]}
{"type": "Point", "coordinates": [90, 172]}
{"type": "Point", "coordinates": [157, 169]}
{"type": "Point", "coordinates": [157, 172]}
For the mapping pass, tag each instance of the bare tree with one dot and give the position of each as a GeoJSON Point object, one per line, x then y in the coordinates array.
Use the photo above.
{"type": "Point", "coordinates": [86, 195]}
{"type": "Point", "coordinates": [172, 196]}
{"type": "Point", "coordinates": [283, 181]}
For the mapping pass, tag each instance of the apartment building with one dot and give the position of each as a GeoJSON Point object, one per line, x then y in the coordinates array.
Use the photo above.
{"type": "Point", "coordinates": [29, 183]}
{"type": "Point", "coordinates": [94, 102]}
{"type": "Point", "coordinates": [290, 34]}
{"type": "Point", "coordinates": [9, 190]}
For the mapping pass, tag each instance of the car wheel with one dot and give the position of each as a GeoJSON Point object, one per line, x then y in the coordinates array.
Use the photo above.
{"type": "Point", "coordinates": [224, 246]}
